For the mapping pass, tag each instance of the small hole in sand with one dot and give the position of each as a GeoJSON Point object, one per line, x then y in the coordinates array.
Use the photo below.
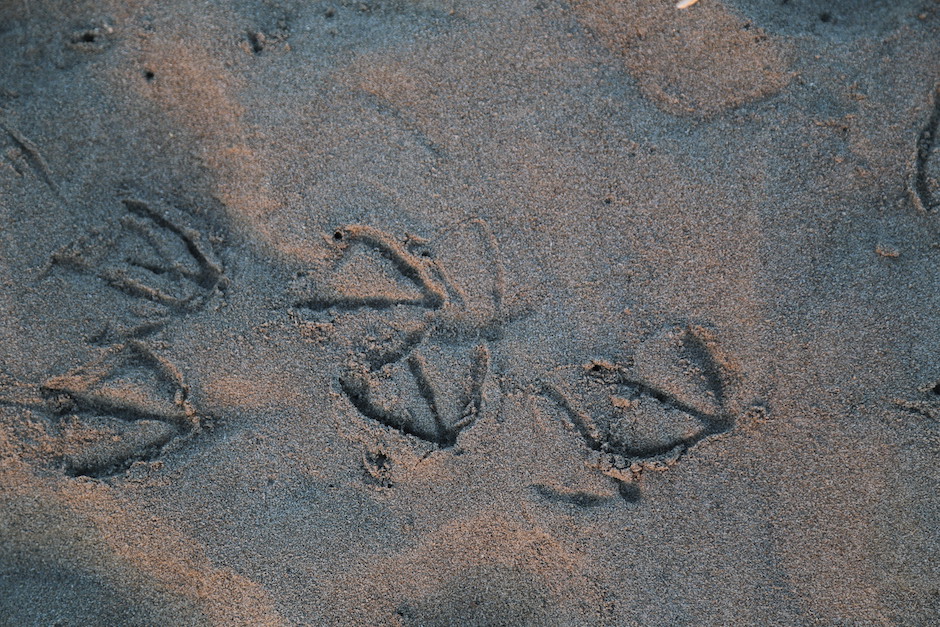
{"type": "Point", "coordinates": [256, 39]}
{"type": "Point", "coordinates": [330, 12]}
{"type": "Point", "coordinates": [149, 75]}
{"type": "Point", "coordinates": [825, 17]}
{"type": "Point", "coordinates": [338, 236]}
{"type": "Point", "coordinates": [89, 37]}
{"type": "Point", "coordinates": [936, 389]}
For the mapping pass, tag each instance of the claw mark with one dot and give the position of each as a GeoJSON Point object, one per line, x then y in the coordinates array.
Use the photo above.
{"type": "Point", "coordinates": [385, 107]}
{"type": "Point", "coordinates": [378, 468]}
{"type": "Point", "coordinates": [712, 424]}
{"type": "Point", "coordinates": [413, 268]}
{"type": "Point", "coordinates": [491, 328]}
{"type": "Point", "coordinates": [32, 155]}
{"type": "Point", "coordinates": [358, 387]}
{"type": "Point", "coordinates": [499, 282]}
{"type": "Point", "coordinates": [210, 270]}
{"type": "Point", "coordinates": [923, 186]}
{"type": "Point", "coordinates": [419, 370]}
{"type": "Point", "coordinates": [472, 401]}
{"type": "Point", "coordinates": [579, 418]}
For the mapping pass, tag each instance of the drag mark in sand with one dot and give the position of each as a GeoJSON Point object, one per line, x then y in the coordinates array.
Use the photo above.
{"type": "Point", "coordinates": [23, 155]}
{"type": "Point", "coordinates": [925, 179]}
{"type": "Point", "coordinates": [927, 405]}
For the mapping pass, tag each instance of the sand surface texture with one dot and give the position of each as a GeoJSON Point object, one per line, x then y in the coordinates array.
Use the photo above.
{"type": "Point", "coordinates": [464, 312]}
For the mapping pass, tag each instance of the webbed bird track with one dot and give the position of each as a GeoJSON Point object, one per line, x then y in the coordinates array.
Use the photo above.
{"type": "Point", "coordinates": [451, 319]}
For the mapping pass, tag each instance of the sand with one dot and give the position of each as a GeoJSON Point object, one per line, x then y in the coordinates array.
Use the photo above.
{"type": "Point", "coordinates": [451, 312]}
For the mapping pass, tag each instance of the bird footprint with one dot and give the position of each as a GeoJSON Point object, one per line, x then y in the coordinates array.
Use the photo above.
{"type": "Point", "coordinates": [649, 413]}
{"type": "Point", "coordinates": [148, 255]}
{"type": "Point", "coordinates": [434, 310]}
{"type": "Point", "coordinates": [122, 406]}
